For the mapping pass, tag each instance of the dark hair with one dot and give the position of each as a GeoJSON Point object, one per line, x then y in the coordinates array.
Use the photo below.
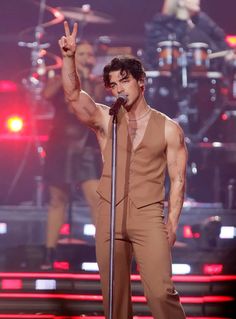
{"type": "Point", "coordinates": [126, 65]}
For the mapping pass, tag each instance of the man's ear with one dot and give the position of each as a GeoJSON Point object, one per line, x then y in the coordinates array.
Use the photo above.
{"type": "Point", "coordinates": [141, 83]}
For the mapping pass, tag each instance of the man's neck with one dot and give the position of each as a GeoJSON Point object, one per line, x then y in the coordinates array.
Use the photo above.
{"type": "Point", "coordinates": [138, 110]}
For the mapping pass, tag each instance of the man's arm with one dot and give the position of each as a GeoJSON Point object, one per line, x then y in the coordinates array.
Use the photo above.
{"type": "Point", "coordinates": [84, 106]}
{"type": "Point", "coordinates": [176, 164]}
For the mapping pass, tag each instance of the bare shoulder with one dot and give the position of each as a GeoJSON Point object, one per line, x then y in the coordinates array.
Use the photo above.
{"type": "Point", "coordinates": [103, 110]}
{"type": "Point", "coordinates": [173, 133]}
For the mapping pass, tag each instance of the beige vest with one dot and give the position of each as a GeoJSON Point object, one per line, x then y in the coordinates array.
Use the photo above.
{"type": "Point", "coordinates": [140, 173]}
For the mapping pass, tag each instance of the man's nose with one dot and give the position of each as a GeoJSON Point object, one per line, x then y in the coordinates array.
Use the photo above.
{"type": "Point", "coordinates": [120, 88]}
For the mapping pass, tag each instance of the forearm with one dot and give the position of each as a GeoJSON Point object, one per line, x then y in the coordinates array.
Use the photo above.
{"type": "Point", "coordinates": [70, 79]}
{"type": "Point", "coordinates": [175, 202]}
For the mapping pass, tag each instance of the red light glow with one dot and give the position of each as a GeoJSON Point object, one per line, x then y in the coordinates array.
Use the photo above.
{"type": "Point", "coordinates": [212, 269]}
{"type": "Point", "coordinates": [72, 276]}
{"type": "Point", "coordinates": [65, 229]}
{"type": "Point", "coordinates": [188, 232]}
{"type": "Point", "coordinates": [15, 124]}
{"type": "Point", "coordinates": [49, 316]}
{"type": "Point", "coordinates": [231, 40]}
{"type": "Point", "coordinates": [63, 265]}
{"type": "Point", "coordinates": [224, 117]}
{"type": "Point", "coordinates": [7, 86]}
{"type": "Point", "coordinates": [12, 284]}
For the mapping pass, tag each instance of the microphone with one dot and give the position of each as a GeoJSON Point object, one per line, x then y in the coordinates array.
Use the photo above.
{"type": "Point", "coordinates": [121, 100]}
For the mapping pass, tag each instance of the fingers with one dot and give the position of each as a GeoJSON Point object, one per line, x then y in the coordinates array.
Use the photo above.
{"type": "Point", "coordinates": [67, 29]}
{"type": "Point", "coordinates": [75, 29]}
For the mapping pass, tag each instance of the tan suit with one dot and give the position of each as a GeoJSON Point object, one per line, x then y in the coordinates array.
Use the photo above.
{"type": "Point", "coordinates": [140, 228]}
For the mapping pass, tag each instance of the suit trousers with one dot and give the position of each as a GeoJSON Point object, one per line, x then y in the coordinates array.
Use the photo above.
{"type": "Point", "coordinates": [142, 233]}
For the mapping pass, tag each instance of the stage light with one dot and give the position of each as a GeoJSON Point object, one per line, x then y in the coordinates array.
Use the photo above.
{"type": "Point", "coordinates": [181, 269]}
{"type": "Point", "coordinates": [89, 266]}
{"type": "Point", "coordinates": [63, 265]}
{"type": "Point", "coordinates": [231, 40]}
{"type": "Point", "coordinates": [89, 230]}
{"type": "Point", "coordinates": [14, 124]}
{"type": "Point", "coordinates": [212, 269]}
{"type": "Point", "coordinates": [45, 284]}
{"type": "Point", "coordinates": [224, 117]}
{"type": "Point", "coordinates": [12, 284]}
{"type": "Point", "coordinates": [3, 228]}
{"type": "Point", "coordinates": [65, 229]}
{"type": "Point", "coordinates": [7, 86]}
{"type": "Point", "coordinates": [227, 232]}
{"type": "Point", "coordinates": [191, 231]}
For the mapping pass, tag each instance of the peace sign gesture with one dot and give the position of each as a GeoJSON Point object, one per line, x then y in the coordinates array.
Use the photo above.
{"type": "Point", "coordinates": [67, 42]}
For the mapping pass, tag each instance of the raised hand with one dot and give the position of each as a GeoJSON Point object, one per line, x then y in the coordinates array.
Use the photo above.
{"type": "Point", "coordinates": [67, 42]}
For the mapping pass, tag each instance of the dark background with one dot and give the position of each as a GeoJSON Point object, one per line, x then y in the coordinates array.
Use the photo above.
{"type": "Point", "coordinates": [18, 18]}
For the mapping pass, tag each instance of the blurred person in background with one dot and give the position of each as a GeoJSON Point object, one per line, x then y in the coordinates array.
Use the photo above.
{"type": "Point", "coordinates": [184, 22]}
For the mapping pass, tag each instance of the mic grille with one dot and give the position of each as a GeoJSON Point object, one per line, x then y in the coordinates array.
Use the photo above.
{"type": "Point", "coordinates": [122, 97]}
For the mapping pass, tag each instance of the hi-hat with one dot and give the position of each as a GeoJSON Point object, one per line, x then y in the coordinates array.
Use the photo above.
{"type": "Point", "coordinates": [85, 14]}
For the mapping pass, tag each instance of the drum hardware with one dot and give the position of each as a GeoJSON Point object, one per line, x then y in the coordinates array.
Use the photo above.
{"type": "Point", "coordinates": [188, 80]}
{"type": "Point", "coordinates": [184, 71]}
{"type": "Point", "coordinates": [34, 85]}
{"type": "Point", "coordinates": [220, 54]}
{"type": "Point", "coordinates": [198, 53]}
{"type": "Point", "coordinates": [169, 55]}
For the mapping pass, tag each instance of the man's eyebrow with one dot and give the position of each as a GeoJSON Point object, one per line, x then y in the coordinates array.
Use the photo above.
{"type": "Point", "coordinates": [124, 77]}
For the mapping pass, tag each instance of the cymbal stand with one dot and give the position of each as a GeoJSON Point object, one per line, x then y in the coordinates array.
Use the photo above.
{"type": "Point", "coordinates": [86, 8]}
{"type": "Point", "coordinates": [185, 93]}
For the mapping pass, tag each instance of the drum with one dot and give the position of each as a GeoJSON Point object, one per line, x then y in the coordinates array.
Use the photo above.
{"type": "Point", "coordinates": [169, 55]}
{"type": "Point", "coordinates": [230, 80]}
{"type": "Point", "coordinates": [162, 91]}
{"type": "Point", "coordinates": [198, 56]}
{"type": "Point", "coordinates": [205, 101]}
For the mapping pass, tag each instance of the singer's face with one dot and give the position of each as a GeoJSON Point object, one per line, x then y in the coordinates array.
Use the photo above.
{"type": "Point", "coordinates": [84, 56]}
{"type": "Point", "coordinates": [124, 83]}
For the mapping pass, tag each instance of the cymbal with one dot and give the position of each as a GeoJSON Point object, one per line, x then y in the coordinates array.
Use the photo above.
{"type": "Point", "coordinates": [47, 62]}
{"type": "Point", "coordinates": [85, 14]}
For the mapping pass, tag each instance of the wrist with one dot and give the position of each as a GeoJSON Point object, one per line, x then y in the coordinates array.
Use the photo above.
{"type": "Point", "coordinates": [66, 56]}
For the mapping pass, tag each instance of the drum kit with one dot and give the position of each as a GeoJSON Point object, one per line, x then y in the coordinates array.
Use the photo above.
{"type": "Point", "coordinates": [187, 86]}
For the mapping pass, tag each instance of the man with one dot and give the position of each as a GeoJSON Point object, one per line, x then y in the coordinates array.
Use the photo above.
{"type": "Point", "coordinates": [147, 142]}
{"type": "Point", "coordinates": [72, 152]}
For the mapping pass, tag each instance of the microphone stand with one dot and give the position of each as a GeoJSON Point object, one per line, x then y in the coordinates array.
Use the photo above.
{"type": "Point", "coordinates": [113, 111]}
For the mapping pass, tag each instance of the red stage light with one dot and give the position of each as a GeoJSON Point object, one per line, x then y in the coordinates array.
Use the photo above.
{"type": "Point", "coordinates": [189, 233]}
{"type": "Point", "coordinates": [63, 265]}
{"type": "Point", "coordinates": [15, 124]}
{"type": "Point", "coordinates": [12, 284]}
{"type": "Point", "coordinates": [7, 86]}
{"type": "Point", "coordinates": [212, 269]}
{"type": "Point", "coordinates": [65, 229]}
{"type": "Point", "coordinates": [224, 117]}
